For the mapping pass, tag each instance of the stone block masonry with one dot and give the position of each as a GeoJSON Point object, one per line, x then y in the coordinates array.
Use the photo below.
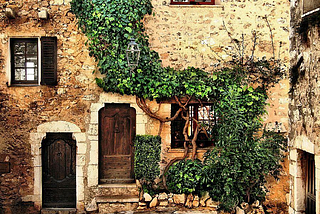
{"type": "Point", "coordinates": [183, 35]}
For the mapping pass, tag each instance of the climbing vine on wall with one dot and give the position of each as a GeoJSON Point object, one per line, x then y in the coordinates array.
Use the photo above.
{"type": "Point", "coordinates": [109, 24]}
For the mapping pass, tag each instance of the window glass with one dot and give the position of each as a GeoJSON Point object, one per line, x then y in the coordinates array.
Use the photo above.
{"type": "Point", "coordinates": [19, 61]}
{"type": "Point", "coordinates": [19, 48]}
{"type": "Point", "coordinates": [32, 48]}
{"type": "Point", "coordinates": [206, 117]}
{"type": "Point", "coordinates": [24, 61]}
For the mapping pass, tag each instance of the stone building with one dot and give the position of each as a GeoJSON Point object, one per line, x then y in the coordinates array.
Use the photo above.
{"type": "Point", "coordinates": [51, 109]}
{"type": "Point", "coordinates": [304, 107]}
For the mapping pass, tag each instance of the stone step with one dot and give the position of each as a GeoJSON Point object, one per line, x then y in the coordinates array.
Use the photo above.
{"type": "Point", "coordinates": [117, 190]}
{"type": "Point", "coordinates": [117, 199]}
{"type": "Point", "coordinates": [59, 211]}
{"type": "Point", "coordinates": [118, 181]}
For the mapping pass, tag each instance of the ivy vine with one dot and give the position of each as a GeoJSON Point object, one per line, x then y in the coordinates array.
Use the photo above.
{"type": "Point", "coordinates": [109, 24]}
{"type": "Point", "coordinates": [239, 146]}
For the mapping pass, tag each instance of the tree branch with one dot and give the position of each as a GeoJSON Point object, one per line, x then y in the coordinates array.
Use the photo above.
{"type": "Point", "coordinates": [143, 105]}
{"type": "Point", "coordinates": [194, 143]}
{"type": "Point", "coordinates": [185, 134]}
{"type": "Point", "coordinates": [271, 35]}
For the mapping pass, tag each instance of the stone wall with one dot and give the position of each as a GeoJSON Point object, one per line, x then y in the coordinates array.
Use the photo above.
{"type": "Point", "coordinates": [23, 109]}
{"type": "Point", "coordinates": [198, 36]}
{"type": "Point", "coordinates": [304, 104]}
{"type": "Point", "coordinates": [183, 36]}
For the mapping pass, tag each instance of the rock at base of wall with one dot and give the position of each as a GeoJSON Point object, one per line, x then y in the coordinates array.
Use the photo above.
{"type": "Point", "coordinates": [147, 197]}
{"type": "Point", "coordinates": [163, 196]}
{"type": "Point", "coordinates": [92, 206]}
{"type": "Point", "coordinates": [189, 201]}
{"type": "Point", "coordinates": [179, 198]}
{"type": "Point", "coordinates": [196, 201]}
{"type": "Point", "coordinates": [154, 202]}
{"type": "Point", "coordinates": [239, 211]}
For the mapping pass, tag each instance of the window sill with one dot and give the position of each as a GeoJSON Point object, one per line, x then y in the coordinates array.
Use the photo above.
{"type": "Point", "coordinates": [312, 13]}
{"type": "Point", "coordinates": [23, 85]}
{"type": "Point", "coordinates": [200, 150]}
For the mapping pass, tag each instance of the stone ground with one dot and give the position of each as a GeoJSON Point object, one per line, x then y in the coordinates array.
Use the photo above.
{"type": "Point", "coordinates": [166, 212]}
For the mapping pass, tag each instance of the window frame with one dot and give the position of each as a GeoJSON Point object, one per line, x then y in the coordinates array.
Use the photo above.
{"type": "Point", "coordinates": [175, 132]}
{"type": "Point", "coordinates": [193, 2]}
{"type": "Point", "coordinates": [14, 40]}
{"type": "Point", "coordinates": [308, 10]}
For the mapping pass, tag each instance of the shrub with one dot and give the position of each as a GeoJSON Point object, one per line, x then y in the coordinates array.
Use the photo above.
{"type": "Point", "coordinates": [147, 157]}
{"type": "Point", "coordinates": [237, 172]}
{"type": "Point", "coordinates": [184, 176]}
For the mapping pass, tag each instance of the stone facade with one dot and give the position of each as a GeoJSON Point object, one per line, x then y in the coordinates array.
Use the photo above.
{"type": "Point", "coordinates": [183, 36]}
{"type": "Point", "coordinates": [304, 105]}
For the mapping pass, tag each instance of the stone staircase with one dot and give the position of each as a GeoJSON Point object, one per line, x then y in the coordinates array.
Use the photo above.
{"type": "Point", "coordinates": [58, 211]}
{"type": "Point", "coordinates": [117, 197]}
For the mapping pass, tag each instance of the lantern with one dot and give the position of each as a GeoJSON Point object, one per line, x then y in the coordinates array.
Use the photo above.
{"type": "Point", "coordinates": [133, 54]}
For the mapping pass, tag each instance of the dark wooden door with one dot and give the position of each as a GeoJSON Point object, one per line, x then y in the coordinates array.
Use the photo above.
{"type": "Point", "coordinates": [116, 133]}
{"type": "Point", "coordinates": [310, 185]}
{"type": "Point", "coordinates": [59, 171]}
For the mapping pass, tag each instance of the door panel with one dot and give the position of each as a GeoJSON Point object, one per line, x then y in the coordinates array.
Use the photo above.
{"type": "Point", "coordinates": [116, 134]}
{"type": "Point", "coordinates": [59, 170]}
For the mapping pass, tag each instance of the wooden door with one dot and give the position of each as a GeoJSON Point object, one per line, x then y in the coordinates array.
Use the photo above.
{"type": "Point", "coordinates": [59, 171]}
{"type": "Point", "coordinates": [116, 133]}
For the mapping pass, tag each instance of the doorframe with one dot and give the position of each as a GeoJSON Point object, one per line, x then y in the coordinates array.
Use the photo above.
{"type": "Point", "coordinates": [297, 147]}
{"type": "Point", "coordinates": [36, 139]}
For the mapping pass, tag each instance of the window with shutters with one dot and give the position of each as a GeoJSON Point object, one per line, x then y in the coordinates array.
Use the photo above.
{"type": "Point", "coordinates": [26, 68]}
{"type": "Point", "coordinates": [206, 117]}
{"type": "Point", "coordinates": [192, 2]}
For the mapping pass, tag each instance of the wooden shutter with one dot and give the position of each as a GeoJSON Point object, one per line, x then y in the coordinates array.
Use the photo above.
{"type": "Point", "coordinates": [48, 60]}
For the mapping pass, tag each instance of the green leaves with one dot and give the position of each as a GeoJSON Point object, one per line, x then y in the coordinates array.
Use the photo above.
{"type": "Point", "coordinates": [184, 176]}
{"type": "Point", "coordinates": [235, 170]}
{"type": "Point", "coordinates": [147, 157]}
{"type": "Point", "coordinates": [129, 29]}
{"type": "Point", "coordinates": [109, 25]}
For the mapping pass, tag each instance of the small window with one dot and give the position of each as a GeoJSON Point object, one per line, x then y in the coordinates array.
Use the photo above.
{"type": "Point", "coordinates": [310, 6]}
{"type": "Point", "coordinates": [204, 115]}
{"type": "Point", "coordinates": [192, 2]}
{"type": "Point", "coordinates": [25, 58]}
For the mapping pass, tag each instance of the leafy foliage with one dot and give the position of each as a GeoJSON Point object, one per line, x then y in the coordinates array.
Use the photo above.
{"type": "Point", "coordinates": [235, 169]}
{"type": "Point", "coordinates": [109, 24]}
{"type": "Point", "coordinates": [147, 157]}
{"type": "Point", "coordinates": [184, 176]}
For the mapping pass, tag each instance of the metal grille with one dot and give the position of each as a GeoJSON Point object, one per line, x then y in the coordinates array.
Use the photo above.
{"type": "Point", "coordinates": [203, 114]}
{"type": "Point", "coordinates": [310, 185]}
